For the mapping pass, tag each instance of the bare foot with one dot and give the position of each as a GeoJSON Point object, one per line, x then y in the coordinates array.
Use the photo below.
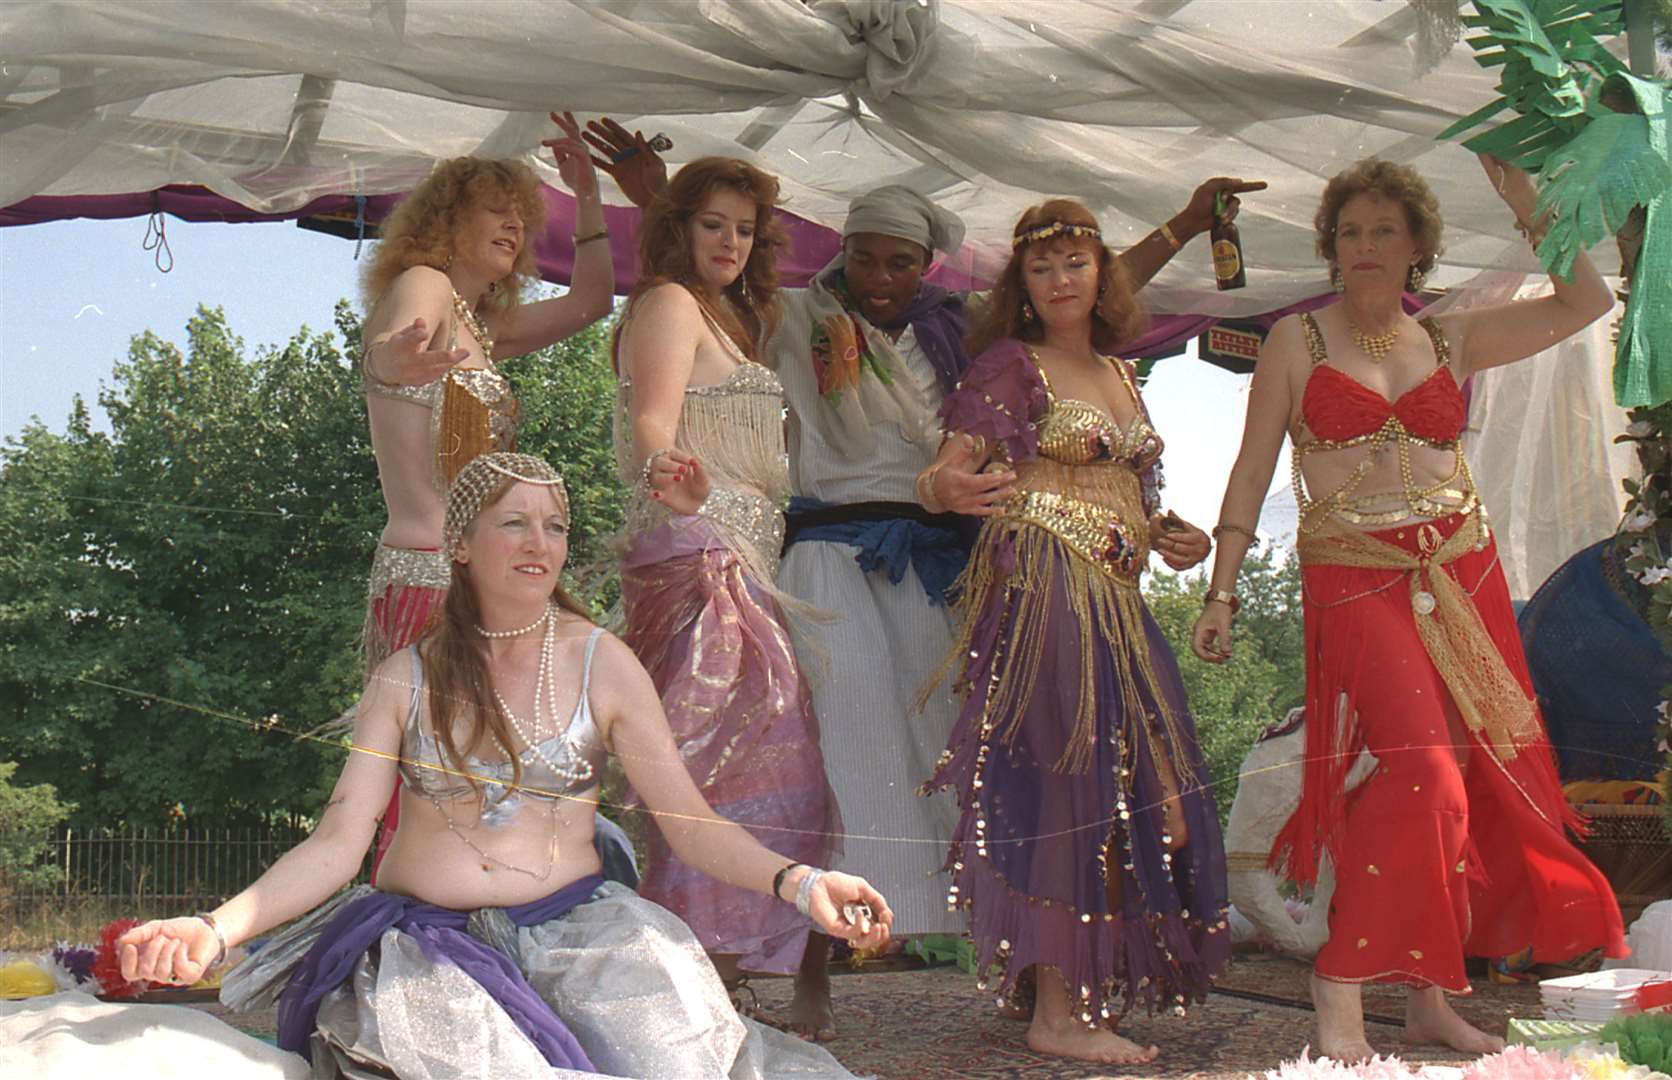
{"type": "Point", "coordinates": [811, 1015]}
{"type": "Point", "coordinates": [1076, 1040]}
{"type": "Point", "coordinates": [1430, 1020]}
{"type": "Point", "coordinates": [1340, 1021]}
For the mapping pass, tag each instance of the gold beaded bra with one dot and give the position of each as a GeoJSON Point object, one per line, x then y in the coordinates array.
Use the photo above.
{"type": "Point", "coordinates": [1084, 487]}
{"type": "Point", "coordinates": [1342, 414]}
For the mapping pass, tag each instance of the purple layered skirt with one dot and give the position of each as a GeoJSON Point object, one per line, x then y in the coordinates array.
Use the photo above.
{"type": "Point", "coordinates": [1061, 852]}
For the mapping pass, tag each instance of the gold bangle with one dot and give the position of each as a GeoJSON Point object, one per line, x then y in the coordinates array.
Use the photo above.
{"type": "Point", "coordinates": [1166, 232]}
{"type": "Point", "coordinates": [1222, 596]}
{"type": "Point", "coordinates": [925, 487]}
{"type": "Point", "coordinates": [1227, 527]}
{"type": "Point", "coordinates": [601, 234]}
{"type": "Point", "coordinates": [1529, 233]}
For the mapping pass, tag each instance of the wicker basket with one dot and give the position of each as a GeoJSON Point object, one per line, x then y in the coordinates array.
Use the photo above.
{"type": "Point", "coordinates": [1628, 843]}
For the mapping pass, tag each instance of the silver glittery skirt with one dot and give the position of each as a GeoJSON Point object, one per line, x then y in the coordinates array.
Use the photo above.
{"type": "Point", "coordinates": [626, 976]}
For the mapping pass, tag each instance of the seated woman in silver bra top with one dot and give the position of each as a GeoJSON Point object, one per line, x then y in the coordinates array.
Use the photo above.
{"type": "Point", "coordinates": [566, 765]}
{"type": "Point", "coordinates": [492, 945]}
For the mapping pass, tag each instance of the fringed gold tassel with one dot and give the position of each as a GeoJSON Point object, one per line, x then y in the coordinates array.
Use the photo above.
{"type": "Point", "coordinates": [1108, 615]}
{"type": "Point", "coordinates": [465, 433]}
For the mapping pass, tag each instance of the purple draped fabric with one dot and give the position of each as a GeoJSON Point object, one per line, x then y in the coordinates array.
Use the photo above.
{"type": "Point", "coordinates": [440, 932]}
{"type": "Point", "coordinates": [810, 249]}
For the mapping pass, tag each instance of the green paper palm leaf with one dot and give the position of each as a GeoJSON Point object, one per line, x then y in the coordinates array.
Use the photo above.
{"type": "Point", "coordinates": [1551, 58]}
{"type": "Point", "coordinates": [1642, 374]}
{"type": "Point", "coordinates": [1591, 182]}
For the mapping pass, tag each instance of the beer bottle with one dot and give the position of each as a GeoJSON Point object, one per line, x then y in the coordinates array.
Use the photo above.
{"type": "Point", "coordinates": [1227, 248]}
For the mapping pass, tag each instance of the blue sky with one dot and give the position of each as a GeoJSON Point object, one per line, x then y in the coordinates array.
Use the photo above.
{"type": "Point", "coordinates": [73, 293]}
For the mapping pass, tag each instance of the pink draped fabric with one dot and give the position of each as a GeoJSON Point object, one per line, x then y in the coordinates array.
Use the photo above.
{"type": "Point", "coordinates": [713, 639]}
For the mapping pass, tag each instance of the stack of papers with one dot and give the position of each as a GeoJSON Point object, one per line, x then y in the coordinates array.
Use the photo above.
{"type": "Point", "coordinates": [1599, 996]}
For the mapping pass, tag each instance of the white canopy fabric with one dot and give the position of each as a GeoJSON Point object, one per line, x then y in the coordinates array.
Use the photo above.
{"type": "Point", "coordinates": [986, 105]}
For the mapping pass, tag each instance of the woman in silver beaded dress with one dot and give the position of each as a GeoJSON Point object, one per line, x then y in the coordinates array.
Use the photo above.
{"type": "Point", "coordinates": [444, 289]}
{"type": "Point", "coordinates": [493, 946]}
{"type": "Point", "coordinates": [699, 439]}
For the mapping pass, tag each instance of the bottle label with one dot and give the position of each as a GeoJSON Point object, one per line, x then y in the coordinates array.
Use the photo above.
{"type": "Point", "coordinates": [1227, 261]}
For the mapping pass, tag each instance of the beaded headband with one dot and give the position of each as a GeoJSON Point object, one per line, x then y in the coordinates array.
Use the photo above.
{"type": "Point", "coordinates": [1054, 228]}
{"type": "Point", "coordinates": [477, 480]}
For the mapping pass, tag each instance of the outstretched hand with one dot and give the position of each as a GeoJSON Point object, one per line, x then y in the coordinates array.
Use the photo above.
{"type": "Point", "coordinates": [401, 358]}
{"type": "Point", "coordinates": [638, 170]}
{"type": "Point", "coordinates": [176, 952]}
{"type": "Point", "coordinates": [836, 896]}
{"type": "Point", "coordinates": [574, 162]}
{"type": "Point", "coordinates": [1197, 215]}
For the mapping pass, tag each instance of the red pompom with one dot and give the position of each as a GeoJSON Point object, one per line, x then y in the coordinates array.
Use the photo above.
{"type": "Point", "coordinates": [107, 965]}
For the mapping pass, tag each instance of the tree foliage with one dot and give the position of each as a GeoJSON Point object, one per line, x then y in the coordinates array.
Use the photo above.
{"type": "Point", "coordinates": [182, 594]}
{"type": "Point", "coordinates": [27, 814]}
{"type": "Point", "coordinates": [1265, 677]}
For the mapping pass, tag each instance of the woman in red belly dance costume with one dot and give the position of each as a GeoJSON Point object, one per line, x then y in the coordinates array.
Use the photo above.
{"type": "Point", "coordinates": [1456, 843]}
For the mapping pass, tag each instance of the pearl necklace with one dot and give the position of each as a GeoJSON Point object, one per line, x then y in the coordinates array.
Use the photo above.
{"type": "Point", "coordinates": [529, 629]}
{"type": "Point", "coordinates": [1376, 346]}
{"type": "Point", "coordinates": [474, 324]}
{"type": "Point", "coordinates": [545, 690]}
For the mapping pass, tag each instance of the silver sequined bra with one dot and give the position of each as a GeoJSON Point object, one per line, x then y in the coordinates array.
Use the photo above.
{"type": "Point", "coordinates": [577, 754]}
{"type": "Point", "coordinates": [735, 427]}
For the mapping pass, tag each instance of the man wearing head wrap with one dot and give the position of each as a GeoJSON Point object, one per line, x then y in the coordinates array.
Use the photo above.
{"type": "Point", "coordinates": [866, 353]}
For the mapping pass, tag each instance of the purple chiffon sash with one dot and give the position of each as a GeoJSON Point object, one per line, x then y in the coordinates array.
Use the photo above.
{"type": "Point", "coordinates": [440, 932]}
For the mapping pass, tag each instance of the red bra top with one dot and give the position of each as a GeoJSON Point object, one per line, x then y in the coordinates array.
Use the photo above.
{"type": "Point", "coordinates": [1337, 407]}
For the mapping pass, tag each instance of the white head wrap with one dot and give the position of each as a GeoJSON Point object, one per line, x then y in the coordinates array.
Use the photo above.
{"type": "Point", "coordinates": [899, 211]}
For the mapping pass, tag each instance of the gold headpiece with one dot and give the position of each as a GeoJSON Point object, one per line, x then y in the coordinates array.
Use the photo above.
{"type": "Point", "coordinates": [478, 479]}
{"type": "Point", "coordinates": [1054, 228]}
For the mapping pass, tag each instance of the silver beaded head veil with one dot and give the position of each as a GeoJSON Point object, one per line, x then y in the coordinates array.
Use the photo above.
{"type": "Point", "coordinates": [477, 480]}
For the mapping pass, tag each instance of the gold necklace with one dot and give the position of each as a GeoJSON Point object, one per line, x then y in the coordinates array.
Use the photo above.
{"type": "Point", "coordinates": [474, 325]}
{"type": "Point", "coordinates": [1376, 346]}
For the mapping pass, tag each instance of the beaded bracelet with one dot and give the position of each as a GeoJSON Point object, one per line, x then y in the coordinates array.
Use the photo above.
{"type": "Point", "coordinates": [804, 891]}
{"type": "Point", "coordinates": [650, 463]}
{"type": "Point", "coordinates": [1227, 527]}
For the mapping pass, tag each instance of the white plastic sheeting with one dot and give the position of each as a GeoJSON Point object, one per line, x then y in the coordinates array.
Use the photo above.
{"type": "Point", "coordinates": [984, 104]}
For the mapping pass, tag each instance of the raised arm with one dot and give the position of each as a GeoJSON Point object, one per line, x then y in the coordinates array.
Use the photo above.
{"type": "Point", "coordinates": [181, 950]}
{"type": "Point", "coordinates": [637, 730]}
{"type": "Point", "coordinates": [1270, 403]}
{"type": "Point", "coordinates": [1143, 260]}
{"type": "Point", "coordinates": [638, 170]}
{"type": "Point", "coordinates": [1514, 331]}
{"type": "Point", "coordinates": [406, 333]}
{"type": "Point", "coordinates": [528, 327]}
